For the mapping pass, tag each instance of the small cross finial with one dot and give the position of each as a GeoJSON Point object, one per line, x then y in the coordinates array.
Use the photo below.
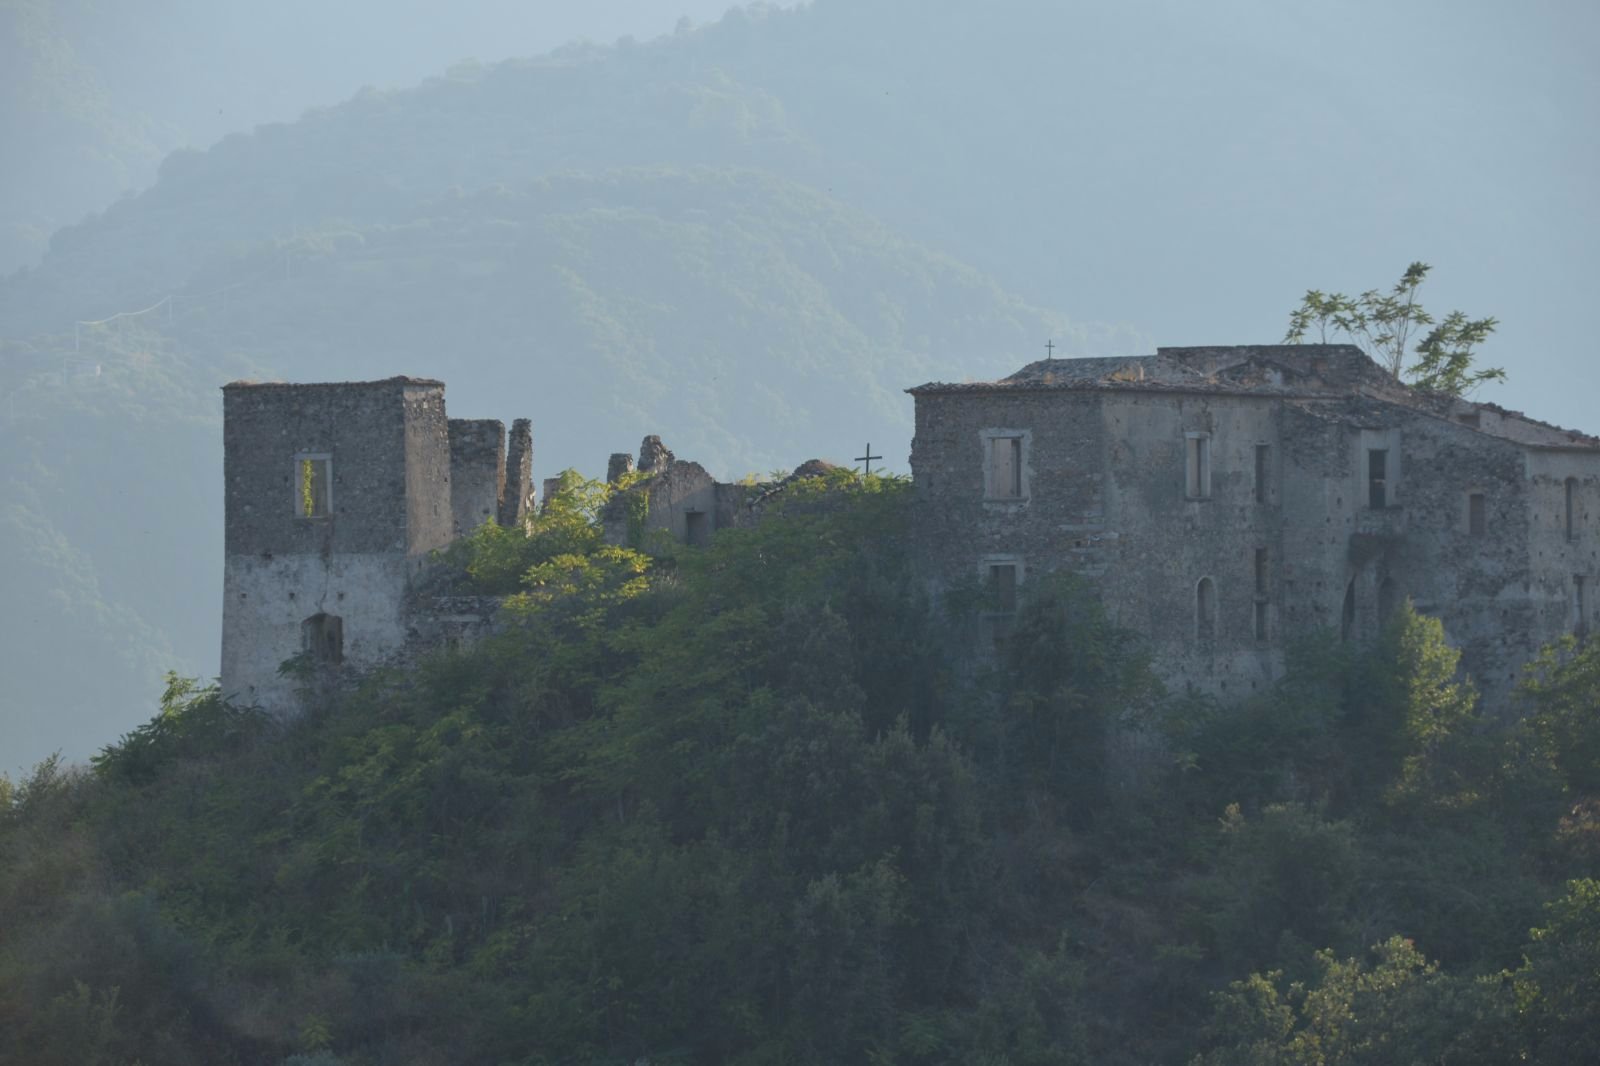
{"type": "Point", "coordinates": [1050, 348]}
{"type": "Point", "coordinates": [868, 458]}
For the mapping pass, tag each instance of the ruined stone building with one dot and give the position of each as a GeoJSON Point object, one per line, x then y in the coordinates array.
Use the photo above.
{"type": "Point", "coordinates": [335, 496]}
{"type": "Point", "coordinates": [681, 500]}
{"type": "Point", "coordinates": [338, 495]}
{"type": "Point", "coordinates": [1223, 500]}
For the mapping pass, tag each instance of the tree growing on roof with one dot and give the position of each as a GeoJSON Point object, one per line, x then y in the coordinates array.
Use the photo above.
{"type": "Point", "coordinates": [1384, 323]}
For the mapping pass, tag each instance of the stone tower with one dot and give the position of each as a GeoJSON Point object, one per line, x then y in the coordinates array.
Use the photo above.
{"type": "Point", "coordinates": [335, 495]}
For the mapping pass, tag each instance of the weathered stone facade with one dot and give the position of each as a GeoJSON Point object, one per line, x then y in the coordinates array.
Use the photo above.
{"type": "Point", "coordinates": [1225, 499]}
{"type": "Point", "coordinates": [1222, 500]}
{"type": "Point", "coordinates": [335, 496]}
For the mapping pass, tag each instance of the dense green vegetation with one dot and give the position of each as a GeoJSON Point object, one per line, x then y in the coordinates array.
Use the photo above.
{"type": "Point", "coordinates": [753, 803]}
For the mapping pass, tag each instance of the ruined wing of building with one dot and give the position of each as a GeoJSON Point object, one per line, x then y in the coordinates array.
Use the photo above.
{"type": "Point", "coordinates": [338, 496]}
{"type": "Point", "coordinates": [1225, 499]}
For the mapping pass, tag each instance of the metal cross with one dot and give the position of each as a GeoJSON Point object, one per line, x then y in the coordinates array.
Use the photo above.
{"type": "Point", "coordinates": [868, 458]}
{"type": "Point", "coordinates": [1050, 348]}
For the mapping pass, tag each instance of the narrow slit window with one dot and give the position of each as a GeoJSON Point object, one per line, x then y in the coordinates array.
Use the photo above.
{"type": "Point", "coordinates": [312, 495]}
{"type": "Point", "coordinates": [1477, 514]}
{"type": "Point", "coordinates": [1580, 614]}
{"type": "Point", "coordinates": [1571, 490]}
{"type": "Point", "coordinates": [1261, 594]}
{"type": "Point", "coordinates": [1005, 468]}
{"type": "Point", "coordinates": [1003, 586]}
{"type": "Point", "coordinates": [1263, 463]}
{"type": "Point", "coordinates": [1378, 478]}
{"type": "Point", "coordinates": [1197, 478]}
{"type": "Point", "coordinates": [1205, 609]}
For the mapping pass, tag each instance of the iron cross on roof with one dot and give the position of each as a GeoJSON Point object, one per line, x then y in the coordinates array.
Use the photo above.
{"type": "Point", "coordinates": [1050, 348]}
{"type": "Point", "coordinates": [868, 458]}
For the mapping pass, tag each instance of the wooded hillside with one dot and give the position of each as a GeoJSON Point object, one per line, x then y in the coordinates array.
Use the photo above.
{"type": "Point", "coordinates": [760, 803]}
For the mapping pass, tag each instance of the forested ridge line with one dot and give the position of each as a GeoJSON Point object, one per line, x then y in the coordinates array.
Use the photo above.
{"type": "Point", "coordinates": [760, 803]}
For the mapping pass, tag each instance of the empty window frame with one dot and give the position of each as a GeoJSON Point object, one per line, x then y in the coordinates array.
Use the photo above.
{"type": "Point", "coordinates": [1263, 465]}
{"type": "Point", "coordinates": [1004, 467]}
{"type": "Point", "coordinates": [1197, 466]}
{"type": "Point", "coordinates": [697, 528]}
{"type": "Point", "coordinates": [1003, 587]}
{"type": "Point", "coordinates": [313, 485]}
{"type": "Point", "coordinates": [1477, 514]}
{"type": "Point", "coordinates": [1205, 609]}
{"type": "Point", "coordinates": [1377, 478]}
{"type": "Point", "coordinates": [1570, 489]}
{"type": "Point", "coordinates": [322, 639]}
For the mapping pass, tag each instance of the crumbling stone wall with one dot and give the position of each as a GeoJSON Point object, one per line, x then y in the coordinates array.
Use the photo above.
{"type": "Point", "coordinates": [477, 472]}
{"type": "Point", "coordinates": [679, 499]}
{"type": "Point", "coordinates": [332, 589]}
{"type": "Point", "coordinates": [517, 503]}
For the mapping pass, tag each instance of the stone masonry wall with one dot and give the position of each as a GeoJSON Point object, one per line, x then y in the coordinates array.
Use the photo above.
{"type": "Point", "coordinates": [361, 426]}
{"type": "Point", "coordinates": [1106, 495]}
{"type": "Point", "coordinates": [477, 472]}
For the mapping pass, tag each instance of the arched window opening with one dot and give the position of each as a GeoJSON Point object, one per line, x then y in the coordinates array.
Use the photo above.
{"type": "Point", "coordinates": [322, 639]}
{"type": "Point", "coordinates": [1347, 619]}
{"type": "Point", "coordinates": [1205, 609]}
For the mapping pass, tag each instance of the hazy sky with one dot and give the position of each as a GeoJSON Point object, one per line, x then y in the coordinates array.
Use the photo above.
{"type": "Point", "coordinates": [332, 48]}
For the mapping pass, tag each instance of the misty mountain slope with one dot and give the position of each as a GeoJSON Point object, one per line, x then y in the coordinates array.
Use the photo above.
{"type": "Point", "coordinates": [750, 318]}
{"type": "Point", "coordinates": [371, 159]}
{"type": "Point", "coordinates": [753, 321]}
{"type": "Point", "coordinates": [83, 144]}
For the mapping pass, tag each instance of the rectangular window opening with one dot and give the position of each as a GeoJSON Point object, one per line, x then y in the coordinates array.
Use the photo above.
{"type": "Point", "coordinates": [322, 639]}
{"type": "Point", "coordinates": [1571, 487]}
{"type": "Point", "coordinates": [697, 528]}
{"type": "Point", "coordinates": [1263, 456]}
{"type": "Point", "coordinates": [1377, 478]}
{"type": "Point", "coordinates": [1005, 468]}
{"type": "Point", "coordinates": [1198, 467]}
{"type": "Point", "coordinates": [1477, 514]}
{"type": "Point", "coordinates": [311, 486]}
{"type": "Point", "coordinates": [1469, 418]}
{"type": "Point", "coordinates": [1261, 620]}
